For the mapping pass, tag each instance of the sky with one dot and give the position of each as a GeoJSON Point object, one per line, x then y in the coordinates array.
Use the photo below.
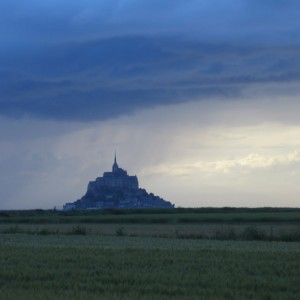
{"type": "Point", "coordinates": [200, 99]}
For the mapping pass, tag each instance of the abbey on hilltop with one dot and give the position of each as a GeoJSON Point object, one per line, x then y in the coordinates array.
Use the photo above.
{"type": "Point", "coordinates": [117, 189]}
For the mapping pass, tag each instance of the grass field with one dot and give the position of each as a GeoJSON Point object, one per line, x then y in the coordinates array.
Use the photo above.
{"type": "Point", "coordinates": [93, 267]}
{"type": "Point", "coordinates": [267, 232]}
{"type": "Point", "coordinates": [171, 260]}
{"type": "Point", "coordinates": [152, 216]}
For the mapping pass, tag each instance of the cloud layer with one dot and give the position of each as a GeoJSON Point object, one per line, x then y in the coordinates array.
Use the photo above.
{"type": "Point", "coordinates": [101, 59]}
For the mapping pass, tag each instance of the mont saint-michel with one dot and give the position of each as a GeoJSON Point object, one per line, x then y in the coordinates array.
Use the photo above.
{"type": "Point", "coordinates": [117, 189]}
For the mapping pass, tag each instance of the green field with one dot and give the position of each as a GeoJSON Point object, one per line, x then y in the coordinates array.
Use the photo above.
{"type": "Point", "coordinates": [155, 216]}
{"type": "Point", "coordinates": [68, 257]}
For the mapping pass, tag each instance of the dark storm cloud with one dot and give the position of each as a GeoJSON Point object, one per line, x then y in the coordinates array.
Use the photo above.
{"type": "Point", "coordinates": [100, 59]}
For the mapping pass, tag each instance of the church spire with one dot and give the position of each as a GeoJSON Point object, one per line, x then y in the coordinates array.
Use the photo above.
{"type": "Point", "coordinates": [115, 166]}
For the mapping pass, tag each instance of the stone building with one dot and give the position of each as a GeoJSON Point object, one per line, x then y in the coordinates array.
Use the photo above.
{"type": "Point", "coordinates": [118, 178]}
{"type": "Point", "coordinates": [116, 189]}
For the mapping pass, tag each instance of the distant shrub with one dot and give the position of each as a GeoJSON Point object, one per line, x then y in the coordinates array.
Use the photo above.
{"type": "Point", "coordinates": [237, 220]}
{"type": "Point", "coordinates": [133, 220]}
{"type": "Point", "coordinates": [187, 220]}
{"type": "Point", "coordinates": [229, 234]}
{"type": "Point", "coordinates": [44, 231]}
{"type": "Point", "coordinates": [253, 233]}
{"type": "Point", "coordinates": [190, 236]}
{"type": "Point", "coordinates": [13, 230]}
{"type": "Point", "coordinates": [78, 230]}
{"type": "Point", "coordinates": [159, 220]}
{"type": "Point", "coordinates": [290, 236]}
{"type": "Point", "coordinates": [4, 214]}
{"type": "Point", "coordinates": [120, 231]}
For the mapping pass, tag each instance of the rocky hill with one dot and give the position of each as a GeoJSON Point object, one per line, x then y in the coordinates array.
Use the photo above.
{"type": "Point", "coordinates": [117, 189]}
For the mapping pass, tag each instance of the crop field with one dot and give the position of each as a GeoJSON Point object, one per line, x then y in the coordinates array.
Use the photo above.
{"type": "Point", "coordinates": [168, 260]}
{"type": "Point", "coordinates": [152, 216]}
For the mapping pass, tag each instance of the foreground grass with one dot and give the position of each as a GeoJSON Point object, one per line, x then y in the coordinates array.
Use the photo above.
{"type": "Point", "coordinates": [150, 254]}
{"type": "Point", "coordinates": [93, 267]}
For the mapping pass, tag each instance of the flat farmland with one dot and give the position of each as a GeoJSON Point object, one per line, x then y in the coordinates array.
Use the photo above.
{"type": "Point", "coordinates": [152, 216]}
{"type": "Point", "coordinates": [169, 260]}
{"type": "Point", "coordinates": [280, 232]}
{"type": "Point", "coordinates": [93, 267]}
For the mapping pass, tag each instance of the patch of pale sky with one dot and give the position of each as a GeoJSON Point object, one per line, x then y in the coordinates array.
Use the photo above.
{"type": "Point", "coordinates": [190, 154]}
{"type": "Point", "coordinates": [253, 161]}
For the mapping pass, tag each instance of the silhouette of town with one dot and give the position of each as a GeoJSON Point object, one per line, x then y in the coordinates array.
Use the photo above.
{"type": "Point", "coordinates": [117, 189]}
